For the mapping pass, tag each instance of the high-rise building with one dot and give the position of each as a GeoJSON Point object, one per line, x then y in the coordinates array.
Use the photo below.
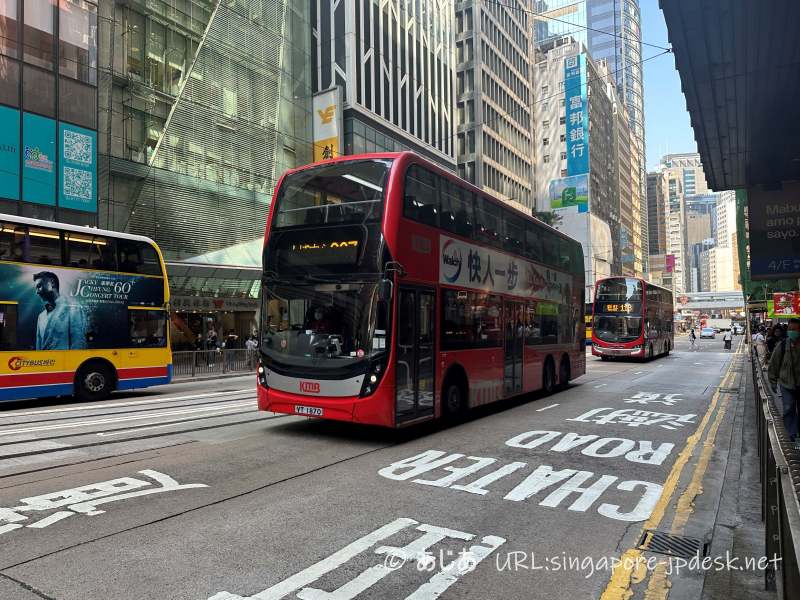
{"type": "Point", "coordinates": [726, 242]}
{"type": "Point", "coordinates": [494, 98]}
{"type": "Point", "coordinates": [202, 106]}
{"type": "Point", "coordinates": [48, 109]}
{"type": "Point", "coordinates": [656, 222]}
{"type": "Point", "coordinates": [611, 30]}
{"type": "Point", "coordinates": [583, 163]}
{"type": "Point", "coordinates": [394, 62]}
{"type": "Point", "coordinates": [693, 178]}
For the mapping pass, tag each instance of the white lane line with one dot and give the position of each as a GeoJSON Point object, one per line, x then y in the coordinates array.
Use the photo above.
{"type": "Point", "coordinates": [77, 424]}
{"type": "Point", "coordinates": [546, 407]}
{"type": "Point", "coordinates": [172, 424]}
{"type": "Point", "coordinates": [600, 385]}
{"type": "Point", "coordinates": [698, 363]}
{"type": "Point", "coordinates": [638, 372]}
{"type": "Point", "coordinates": [122, 404]}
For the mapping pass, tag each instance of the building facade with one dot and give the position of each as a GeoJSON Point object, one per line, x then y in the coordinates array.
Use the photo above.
{"type": "Point", "coordinates": [202, 106]}
{"type": "Point", "coordinates": [48, 109]}
{"type": "Point", "coordinates": [494, 98]}
{"type": "Point", "coordinates": [611, 31]}
{"type": "Point", "coordinates": [394, 62]}
{"type": "Point", "coordinates": [656, 222]}
{"type": "Point", "coordinates": [583, 168]}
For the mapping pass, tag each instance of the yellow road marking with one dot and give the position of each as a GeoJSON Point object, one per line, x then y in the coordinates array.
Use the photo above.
{"type": "Point", "coordinates": [632, 562]}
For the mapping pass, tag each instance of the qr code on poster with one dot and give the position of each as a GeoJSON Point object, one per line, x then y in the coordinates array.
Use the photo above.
{"type": "Point", "coordinates": [77, 183]}
{"type": "Point", "coordinates": [77, 147]}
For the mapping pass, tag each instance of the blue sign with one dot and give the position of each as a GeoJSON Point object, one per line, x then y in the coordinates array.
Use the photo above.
{"type": "Point", "coordinates": [577, 115]}
{"type": "Point", "coordinates": [77, 149]}
{"type": "Point", "coordinates": [9, 153]}
{"type": "Point", "coordinates": [38, 159]}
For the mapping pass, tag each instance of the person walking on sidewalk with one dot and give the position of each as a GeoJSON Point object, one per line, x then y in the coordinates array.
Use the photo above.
{"type": "Point", "coordinates": [760, 343]}
{"type": "Point", "coordinates": [727, 338]}
{"type": "Point", "coordinates": [784, 373]}
{"type": "Point", "coordinates": [692, 338]}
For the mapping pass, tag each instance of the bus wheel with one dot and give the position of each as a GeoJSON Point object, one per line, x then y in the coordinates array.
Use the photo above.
{"type": "Point", "coordinates": [453, 399]}
{"type": "Point", "coordinates": [666, 352]}
{"type": "Point", "coordinates": [94, 381]}
{"type": "Point", "coordinates": [563, 374]}
{"type": "Point", "coordinates": [549, 377]}
{"type": "Point", "coordinates": [650, 352]}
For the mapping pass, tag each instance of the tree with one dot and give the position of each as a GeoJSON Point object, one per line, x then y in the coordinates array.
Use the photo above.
{"type": "Point", "coordinates": [548, 217]}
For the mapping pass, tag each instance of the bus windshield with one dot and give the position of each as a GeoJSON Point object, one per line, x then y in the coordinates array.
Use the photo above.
{"type": "Point", "coordinates": [345, 192]}
{"type": "Point", "coordinates": [618, 310]}
{"type": "Point", "coordinates": [323, 326]}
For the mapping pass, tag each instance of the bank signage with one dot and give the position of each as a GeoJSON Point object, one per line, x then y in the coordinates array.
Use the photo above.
{"type": "Point", "coordinates": [577, 114]}
{"type": "Point", "coordinates": [471, 266]}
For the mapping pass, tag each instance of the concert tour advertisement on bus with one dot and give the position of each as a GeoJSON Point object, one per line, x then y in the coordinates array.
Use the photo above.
{"type": "Point", "coordinates": [53, 308]}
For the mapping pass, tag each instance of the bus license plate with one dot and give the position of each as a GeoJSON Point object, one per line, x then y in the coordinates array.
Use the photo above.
{"type": "Point", "coordinates": [311, 411]}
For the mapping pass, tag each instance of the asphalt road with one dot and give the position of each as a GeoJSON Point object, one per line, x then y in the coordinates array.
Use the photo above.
{"type": "Point", "coordinates": [187, 492]}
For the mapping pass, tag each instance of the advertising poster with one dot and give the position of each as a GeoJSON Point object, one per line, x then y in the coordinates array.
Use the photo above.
{"type": "Point", "coordinates": [9, 153]}
{"type": "Point", "coordinates": [577, 115]}
{"type": "Point", "coordinates": [570, 193]}
{"type": "Point", "coordinates": [77, 168]}
{"type": "Point", "coordinates": [482, 269]}
{"type": "Point", "coordinates": [784, 305]}
{"type": "Point", "coordinates": [38, 164]}
{"type": "Point", "coordinates": [73, 309]}
{"type": "Point", "coordinates": [774, 226]}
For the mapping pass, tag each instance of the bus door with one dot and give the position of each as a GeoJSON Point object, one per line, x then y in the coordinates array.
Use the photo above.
{"type": "Point", "coordinates": [415, 353]}
{"type": "Point", "coordinates": [514, 319]}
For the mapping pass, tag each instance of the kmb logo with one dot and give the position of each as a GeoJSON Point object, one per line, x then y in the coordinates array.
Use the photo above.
{"type": "Point", "coordinates": [309, 387]}
{"type": "Point", "coordinates": [326, 115]}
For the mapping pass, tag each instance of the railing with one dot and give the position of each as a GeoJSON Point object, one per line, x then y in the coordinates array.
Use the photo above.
{"type": "Point", "coordinates": [213, 362]}
{"type": "Point", "coordinates": [779, 471]}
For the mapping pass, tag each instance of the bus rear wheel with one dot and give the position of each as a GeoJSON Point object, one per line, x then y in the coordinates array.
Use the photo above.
{"type": "Point", "coordinates": [94, 381]}
{"type": "Point", "coordinates": [453, 399]}
{"type": "Point", "coordinates": [549, 377]}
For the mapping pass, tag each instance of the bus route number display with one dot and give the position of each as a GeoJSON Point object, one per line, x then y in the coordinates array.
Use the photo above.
{"type": "Point", "coordinates": [623, 307]}
{"type": "Point", "coordinates": [335, 252]}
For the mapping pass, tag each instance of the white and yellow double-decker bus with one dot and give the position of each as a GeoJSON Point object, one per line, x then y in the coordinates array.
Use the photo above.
{"type": "Point", "coordinates": [82, 311]}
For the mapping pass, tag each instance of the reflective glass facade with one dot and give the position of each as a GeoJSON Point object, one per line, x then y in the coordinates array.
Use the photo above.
{"type": "Point", "coordinates": [203, 105]}
{"type": "Point", "coordinates": [48, 109]}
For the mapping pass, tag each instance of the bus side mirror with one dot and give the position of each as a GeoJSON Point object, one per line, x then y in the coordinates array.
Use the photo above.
{"type": "Point", "coordinates": [385, 287]}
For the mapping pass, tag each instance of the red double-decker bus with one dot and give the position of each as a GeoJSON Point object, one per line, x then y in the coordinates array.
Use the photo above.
{"type": "Point", "coordinates": [395, 292]}
{"type": "Point", "coordinates": [632, 318]}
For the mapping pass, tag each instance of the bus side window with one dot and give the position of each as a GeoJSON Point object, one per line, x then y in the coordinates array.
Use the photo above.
{"type": "Point", "coordinates": [421, 200]}
{"type": "Point", "coordinates": [533, 243]}
{"type": "Point", "coordinates": [151, 265]}
{"type": "Point", "coordinates": [43, 246]}
{"type": "Point", "coordinates": [7, 242]}
{"type": "Point", "coordinates": [8, 327]}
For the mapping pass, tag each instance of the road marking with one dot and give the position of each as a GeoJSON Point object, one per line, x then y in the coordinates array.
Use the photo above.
{"type": "Point", "coordinates": [601, 385]}
{"type": "Point", "coordinates": [632, 566]}
{"type": "Point", "coordinates": [122, 404]}
{"type": "Point", "coordinates": [698, 363]}
{"type": "Point", "coordinates": [183, 411]}
{"type": "Point", "coordinates": [546, 407]}
{"type": "Point", "coordinates": [638, 372]}
{"type": "Point", "coordinates": [417, 552]}
{"type": "Point", "coordinates": [172, 424]}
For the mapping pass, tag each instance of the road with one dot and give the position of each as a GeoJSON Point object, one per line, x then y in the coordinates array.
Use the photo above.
{"type": "Point", "coordinates": [187, 492]}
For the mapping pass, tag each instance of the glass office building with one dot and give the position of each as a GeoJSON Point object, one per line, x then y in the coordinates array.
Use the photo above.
{"type": "Point", "coordinates": [48, 109]}
{"type": "Point", "coordinates": [202, 106]}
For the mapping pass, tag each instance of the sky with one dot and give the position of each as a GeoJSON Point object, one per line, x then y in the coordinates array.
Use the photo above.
{"type": "Point", "coordinates": [666, 121]}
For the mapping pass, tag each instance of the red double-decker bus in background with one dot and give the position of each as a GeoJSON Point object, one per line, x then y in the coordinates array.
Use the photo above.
{"type": "Point", "coordinates": [632, 318]}
{"type": "Point", "coordinates": [395, 292]}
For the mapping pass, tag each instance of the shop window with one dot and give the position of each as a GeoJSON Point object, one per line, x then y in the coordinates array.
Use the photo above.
{"type": "Point", "coordinates": [8, 28]}
{"type": "Point", "coordinates": [78, 40]}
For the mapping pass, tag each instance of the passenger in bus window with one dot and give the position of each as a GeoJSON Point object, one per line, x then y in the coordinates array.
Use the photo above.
{"type": "Point", "coordinates": [319, 321]}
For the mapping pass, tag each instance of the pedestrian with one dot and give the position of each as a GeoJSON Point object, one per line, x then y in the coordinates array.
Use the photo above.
{"type": "Point", "coordinates": [252, 347]}
{"type": "Point", "coordinates": [231, 344]}
{"type": "Point", "coordinates": [759, 341]}
{"type": "Point", "coordinates": [773, 339]}
{"type": "Point", "coordinates": [784, 375]}
{"type": "Point", "coordinates": [692, 338]}
{"type": "Point", "coordinates": [727, 338]}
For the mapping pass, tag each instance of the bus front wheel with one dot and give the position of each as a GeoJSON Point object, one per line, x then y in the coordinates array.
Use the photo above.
{"type": "Point", "coordinates": [549, 377]}
{"type": "Point", "coordinates": [94, 381]}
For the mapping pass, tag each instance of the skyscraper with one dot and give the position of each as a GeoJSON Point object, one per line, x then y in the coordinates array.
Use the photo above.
{"type": "Point", "coordinates": [494, 114]}
{"type": "Point", "coordinates": [394, 64]}
{"type": "Point", "coordinates": [611, 31]}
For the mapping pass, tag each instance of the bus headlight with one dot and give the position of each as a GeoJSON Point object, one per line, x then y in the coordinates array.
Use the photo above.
{"type": "Point", "coordinates": [372, 378]}
{"type": "Point", "coordinates": [261, 373]}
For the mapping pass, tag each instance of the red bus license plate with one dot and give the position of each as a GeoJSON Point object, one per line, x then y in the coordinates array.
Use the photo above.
{"type": "Point", "coordinates": [311, 411]}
